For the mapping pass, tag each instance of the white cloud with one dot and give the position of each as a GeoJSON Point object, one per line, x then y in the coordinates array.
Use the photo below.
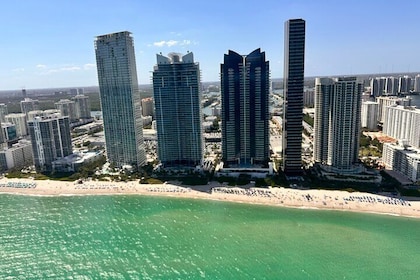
{"type": "Point", "coordinates": [18, 70]}
{"type": "Point", "coordinates": [41, 66]}
{"type": "Point", "coordinates": [185, 42]}
{"type": "Point", "coordinates": [159, 44]}
{"type": "Point", "coordinates": [89, 66]}
{"type": "Point", "coordinates": [171, 43]}
{"type": "Point", "coordinates": [63, 68]}
{"type": "Point", "coordinates": [70, 68]}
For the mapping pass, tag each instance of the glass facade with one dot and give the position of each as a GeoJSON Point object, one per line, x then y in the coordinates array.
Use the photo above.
{"type": "Point", "coordinates": [245, 82]}
{"type": "Point", "coordinates": [294, 66]}
{"type": "Point", "coordinates": [176, 87]}
{"type": "Point", "coordinates": [120, 99]}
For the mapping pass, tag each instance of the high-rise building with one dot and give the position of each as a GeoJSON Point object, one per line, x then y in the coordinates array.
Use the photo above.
{"type": "Point", "coordinates": [3, 112]}
{"type": "Point", "coordinates": [82, 106]}
{"type": "Point", "coordinates": [386, 101]}
{"type": "Point", "coordinates": [294, 66]}
{"type": "Point", "coordinates": [67, 108]}
{"type": "Point", "coordinates": [176, 88]}
{"type": "Point", "coordinates": [417, 84]}
{"type": "Point", "coordinates": [245, 82]}
{"type": "Point", "coordinates": [147, 106]}
{"type": "Point", "coordinates": [404, 84]}
{"type": "Point", "coordinates": [377, 86]}
{"type": "Point", "coordinates": [19, 120]}
{"type": "Point", "coordinates": [51, 140]}
{"type": "Point", "coordinates": [403, 123]}
{"type": "Point", "coordinates": [120, 99]}
{"type": "Point", "coordinates": [337, 122]}
{"type": "Point", "coordinates": [28, 104]}
{"type": "Point", "coordinates": [391, 86]}
{"type": "Point", "coordinates": [308, 98]}
{"type": "Point", "coordinates": [369, 116]}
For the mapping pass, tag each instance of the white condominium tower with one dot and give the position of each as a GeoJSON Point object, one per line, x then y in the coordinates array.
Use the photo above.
{"type": "Point", "coordinates": [27, 105]}
{"type": "Point", "coordinates": [67, 108]}
{"type": "Point", "coordinates": [19, 120]}
{"type": "Point", "coordinates": [369, 116]}
{"type": "Point", "coordinates": [176, 87]}
{"type": "Point", "coordinates": [82, 106]}
{"type": "Point", "coordinates": [51, 140]}
{"type": "Point", "coordinates": [386, 101]}
{"type": "Point", "coordinates": [417, 83]}
{"type": "Point", "coordinates": [120, 99]}
{"type": "Point", "coordinates": [403, 123]}
{"type": "Point", "coordinates": [337, 122]}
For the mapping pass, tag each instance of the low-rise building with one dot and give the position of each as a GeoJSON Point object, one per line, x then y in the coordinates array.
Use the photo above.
{"type": "Point", "coordinates": [73, 162]}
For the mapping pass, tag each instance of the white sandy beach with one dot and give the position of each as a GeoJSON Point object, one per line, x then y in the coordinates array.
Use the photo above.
{"type": "Point", "coordinates": [316, 199]}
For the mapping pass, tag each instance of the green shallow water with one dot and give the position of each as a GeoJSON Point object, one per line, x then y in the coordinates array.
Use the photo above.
{"type": "Point", "coordinates": [140, 237]}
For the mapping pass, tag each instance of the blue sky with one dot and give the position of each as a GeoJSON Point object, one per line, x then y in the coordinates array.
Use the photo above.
{"type": "Point", "coordinates": [48, 43]}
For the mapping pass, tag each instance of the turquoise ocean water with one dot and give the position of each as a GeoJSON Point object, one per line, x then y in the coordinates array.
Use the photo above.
{"type": "Point", "coordinates": [140, 237]}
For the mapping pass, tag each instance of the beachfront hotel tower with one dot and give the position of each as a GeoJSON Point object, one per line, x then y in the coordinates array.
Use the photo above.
{"type": "Point", "coordinates": [245, 83]}
{"type": "Point", "coordinates": [176, 88]}
{"type": "Point", "coordinates": [337, 123]}
{"type": "Point", "coordinates": [294, 62]}
{"type": "Point", "coordinates": [120, 99]}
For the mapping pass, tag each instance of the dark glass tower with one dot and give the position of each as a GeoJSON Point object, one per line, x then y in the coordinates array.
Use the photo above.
{"type": "Point", "coordinates": [245, 87]}
{"type": "Point", "coordinates": [294, 61]}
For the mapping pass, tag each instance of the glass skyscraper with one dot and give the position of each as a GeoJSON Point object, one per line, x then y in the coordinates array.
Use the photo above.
{"type": "Point", "coordinates": [120, 99]}
{"type": "Point", "coordinates": [294, 64]}
{"type": "Point", "coordinates": [337, 122]}
{"type": "Point", "coordinates": [245, 82]}
{"type": "Point", "coordinates": [176, 87]}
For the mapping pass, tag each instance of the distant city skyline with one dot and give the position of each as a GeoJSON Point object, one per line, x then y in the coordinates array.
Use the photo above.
{"type": "Point", "coordinates": [47, 45]}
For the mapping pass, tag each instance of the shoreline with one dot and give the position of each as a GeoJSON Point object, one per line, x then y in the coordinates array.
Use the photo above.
{"type": "Point", "coordinates": [280, 197]}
